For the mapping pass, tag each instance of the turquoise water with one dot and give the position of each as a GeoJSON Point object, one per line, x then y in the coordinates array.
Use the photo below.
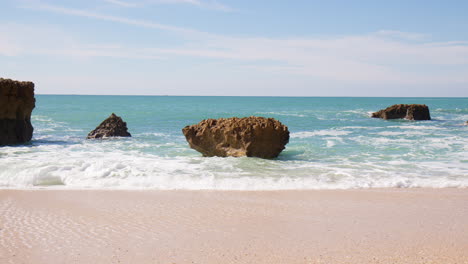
{"type": "Point", "coordinates": [334, 145]}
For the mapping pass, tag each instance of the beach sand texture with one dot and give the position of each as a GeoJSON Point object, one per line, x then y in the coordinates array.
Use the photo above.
{"type": "Point", "coordinates": [349, 226]}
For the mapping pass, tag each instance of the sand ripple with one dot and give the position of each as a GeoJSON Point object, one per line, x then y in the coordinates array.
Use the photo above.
{"type": "Point", "coordinates": [361, 226]}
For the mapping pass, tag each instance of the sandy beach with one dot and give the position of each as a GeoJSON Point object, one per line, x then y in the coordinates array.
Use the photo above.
{"type": "Point", "coordinates": [349, 226]}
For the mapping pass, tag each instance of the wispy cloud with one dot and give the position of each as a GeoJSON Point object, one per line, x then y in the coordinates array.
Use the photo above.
{"type": "Point", "coordinates": [206, 4]}
{"type": "Point", "coordinates": [121, 3]}
{"type": "Point", "coordinates": [110, 18]}
{"type": "Point", "coordinates": [386, 55]}
{"type": "Point", "coordinates": [402, 35]}
{"type": "Point", "coordinates": [366, 57]}
{"type": "Point", "coordinates": [15, 41]}
{"type": "Point", "coordinates": [359, 58]}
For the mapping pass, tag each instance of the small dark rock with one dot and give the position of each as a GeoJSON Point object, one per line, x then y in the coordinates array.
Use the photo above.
{"type": "Point", "coordinates": [113, 126]}
{"type": "Point", "coordinates": [406, 111]}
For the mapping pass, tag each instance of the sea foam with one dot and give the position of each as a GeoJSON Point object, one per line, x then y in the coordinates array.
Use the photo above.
{"type": "Point", "coordinates": [333, 145]}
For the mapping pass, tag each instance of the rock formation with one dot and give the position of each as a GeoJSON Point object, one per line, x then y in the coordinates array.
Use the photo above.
{"type": "Point", "coordinates": [407, 111]}
{"type": "Point", "coordinates": [113, 126]}
{"type": "Point", "coordinates": [16, 104]}
{"type": "Point", "coordinates": [249, 136]}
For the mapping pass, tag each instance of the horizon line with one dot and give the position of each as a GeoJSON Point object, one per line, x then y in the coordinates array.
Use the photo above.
{"type": "Point", "coordinates": [286, 96]}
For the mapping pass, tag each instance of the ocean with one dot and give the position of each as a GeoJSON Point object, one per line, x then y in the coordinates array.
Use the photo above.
{"type": "Point", "coordinates": [334, 144]}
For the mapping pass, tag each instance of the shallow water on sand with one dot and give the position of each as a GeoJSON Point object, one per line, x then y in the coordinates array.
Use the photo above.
{"type": "Point", "coordinates": [334, 145]}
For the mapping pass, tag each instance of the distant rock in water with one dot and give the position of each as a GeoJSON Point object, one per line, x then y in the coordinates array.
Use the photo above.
{"type": "Point", "coordinates": [113, 126]}
{"type": "Point", "coordinates": [407, 111]}
{"type": "Point", "coordinates": [16, 104]}
{"type": "Point", "coordinates": [236, 137]}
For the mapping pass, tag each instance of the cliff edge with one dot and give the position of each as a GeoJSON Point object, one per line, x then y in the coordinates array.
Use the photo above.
{"type": "Point", "coordinates": [16, 104]}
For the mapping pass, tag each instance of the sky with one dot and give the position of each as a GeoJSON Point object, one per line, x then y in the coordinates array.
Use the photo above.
{"type": "Point", "coordinates": [237, 47]}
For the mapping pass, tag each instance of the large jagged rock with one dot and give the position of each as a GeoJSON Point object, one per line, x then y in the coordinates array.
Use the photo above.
{"type": "Point", "coordinates": [113, 126]}
{"type": "Point", "coordinates": [249, 136]}
{"type": "Point", "coordinates": [16, 104]}
{"type": "Point", "coordinates": [407, 111]}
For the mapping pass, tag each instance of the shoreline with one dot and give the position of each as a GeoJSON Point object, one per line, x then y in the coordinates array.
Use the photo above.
{"type": "Point", "coordinates": [236, 191]}
{"type": "Point", "coordinates": [67, 188]}
{"type": "Point", "coordinates": [389, 225]}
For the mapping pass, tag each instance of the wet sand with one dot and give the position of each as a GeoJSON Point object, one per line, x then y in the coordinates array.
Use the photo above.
{"type": "Point", "coordinates": [349, 226]}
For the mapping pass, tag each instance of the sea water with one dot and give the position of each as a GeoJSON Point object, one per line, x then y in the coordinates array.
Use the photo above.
{"type": "Point", "coordinates": [334, 144]}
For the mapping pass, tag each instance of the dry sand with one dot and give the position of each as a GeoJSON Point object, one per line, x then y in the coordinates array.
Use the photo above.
{"type": "Point", "coordinates": [352, 226]}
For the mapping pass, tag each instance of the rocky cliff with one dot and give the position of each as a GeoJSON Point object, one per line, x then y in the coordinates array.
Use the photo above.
{"type": "Point", "coordinates": [406, 111]}
{"type": "Point", "coordinates": [249, 136]}
{"type": "Point", "coordinates": [16, 104]}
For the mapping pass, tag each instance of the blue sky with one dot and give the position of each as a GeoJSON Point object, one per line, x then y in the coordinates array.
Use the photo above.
{"type": "Point", "coordinates": [259, 48]}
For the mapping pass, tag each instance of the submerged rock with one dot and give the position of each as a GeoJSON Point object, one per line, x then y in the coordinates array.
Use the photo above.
{"type": "Point", "coordinates": [236, 137]}
{"type": "Point", "coordinates": [407, 111]}
{"type": "Point", "coordinates": [16, 104]}
{"type": "Point", "coordinates": [113, 126]}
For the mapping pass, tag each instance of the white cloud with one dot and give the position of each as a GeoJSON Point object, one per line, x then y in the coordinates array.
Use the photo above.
{"type": "Point", "coordinates": [402, 35]}
{"type": "Point", "coordinates": [8, 46]}
{"type": "Point", "coordinates": [24, 40]}
{"type": "Point", "coordinates": [110, 18]}
{"type": "Point", "coordinates": [208, 4]}
{"type": "Point", "coordinates": [384, 56]}
{"type": "Point", "coordinates": [367, 57]}
{"type": "Point", "coordinates": [360, 58]}
{"type": "Point", "coordinates": [121, 3]}
{"type": "Point", "coordinates": [214, 5]}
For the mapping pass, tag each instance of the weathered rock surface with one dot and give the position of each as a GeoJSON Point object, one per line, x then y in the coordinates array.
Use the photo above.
{"type": "Point", "coordinates": [249, 136]}
{"type": "Point", "coordinates": [407, 111]}
{"type": "Point", "coordinates": [113, 126]}
{"type": "Point", "coordinates": [16, 104]}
